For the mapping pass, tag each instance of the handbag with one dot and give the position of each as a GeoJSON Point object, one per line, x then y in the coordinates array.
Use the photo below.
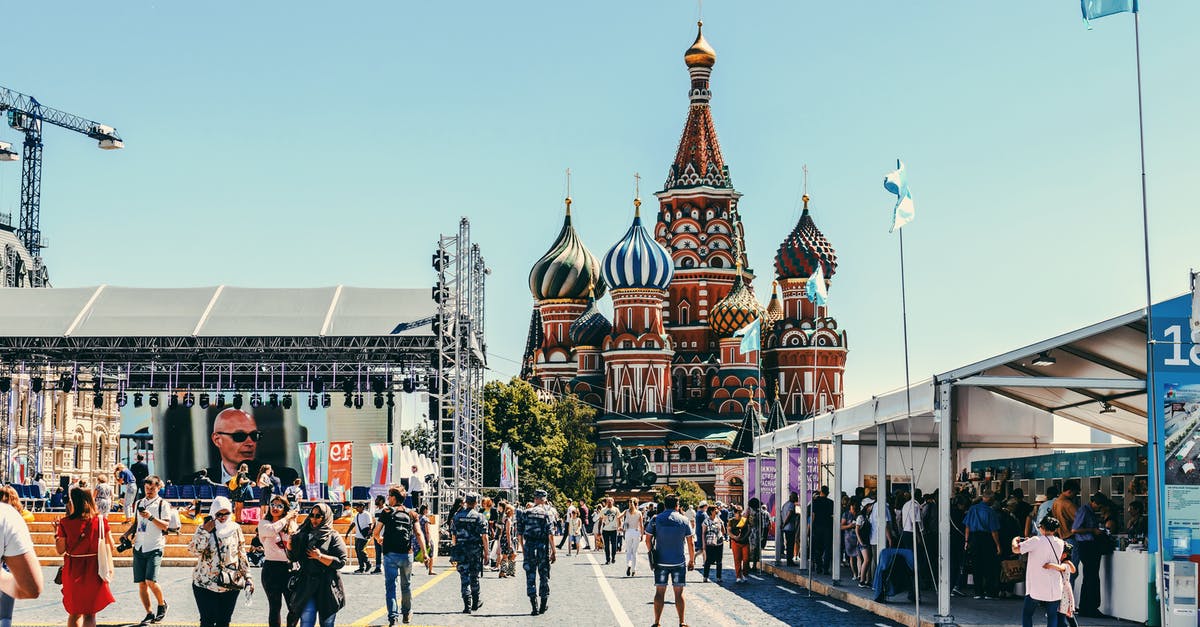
{"type": "Point", "coordinates": [229, 576]}
{"type": "Point", "coordinates": [104, 556]}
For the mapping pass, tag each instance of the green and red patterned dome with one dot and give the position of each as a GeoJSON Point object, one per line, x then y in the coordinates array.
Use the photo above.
{"type": "Point", "coordinates": [803, 249]}
{"type": "Point", "coordinates": [738, 309]}
{"type": "Point", "coordinates": [568, 270]}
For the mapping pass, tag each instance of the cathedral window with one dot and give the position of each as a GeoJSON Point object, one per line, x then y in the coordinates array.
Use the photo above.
{"type": "Point", "coordinates": [685, 454]}
{"type": "Point", "coordinates": [709, 215]}
{"type": "Point", "coordinates": [717, 262]}
{"type": "Point", "coordinates": [701, 454]}
{"type": "Point", "coordinates": [683, 308]}
{"type": "Point", "coordinates": [688, 262]}
{"type": "Point", "coordinates": [658, 455]}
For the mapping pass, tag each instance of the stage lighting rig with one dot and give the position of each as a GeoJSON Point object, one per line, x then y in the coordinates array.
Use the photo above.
{"type": "Point", "coordinates": [313, 401]}
{"type": "Point", "coordinates": [154, 399]}
{"type": "Point", "coordinates": [378, 401]}
{"type": "Point", "coordinates": [204, 400]}
{"type": "Point", "coordinates": [137, 399]}
{"type": "Point", "coordinates": [122, 399]}
{"type": "Point", "coordinates": [5, 385]}
{"type": "Point", "coordinates": [98, 400]}
{"type": "Point", "coordinates": [66, 382]}
{"type": "Point", "coordinates": [255, 399]}
{"type": "Point", "coordinates": [358, 401]}
{"type": "Point", "coordinates": [286, 401]}
{"type": "Point", "coordinates": [273, 400]}
{"type": "Point", "coordinates": [237, 400]}
{"type": "Point", "coordinates": [348, 401]}
{"type": "Point", "coordinates": [326, 400]}
{"type": "Point", "coordinates": [35, 384]}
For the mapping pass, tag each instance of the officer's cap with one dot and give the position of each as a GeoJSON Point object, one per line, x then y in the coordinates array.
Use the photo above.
{"type": "Point", "coordinates": [539, 494]}
{"type": "Point", "coordinates": [471, 497]}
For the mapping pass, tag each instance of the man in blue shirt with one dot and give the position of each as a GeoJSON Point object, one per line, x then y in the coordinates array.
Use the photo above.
{"type": "Point", "coordinates": [669, 535]}
{"type": "Point", "coordinates": [982, 529]}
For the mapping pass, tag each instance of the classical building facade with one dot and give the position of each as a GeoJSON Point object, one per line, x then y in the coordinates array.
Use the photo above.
{"type": "Point", "coordinates": [667, 373]}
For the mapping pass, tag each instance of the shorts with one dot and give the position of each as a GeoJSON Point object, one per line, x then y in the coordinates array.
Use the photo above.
{"type": "Point", "coordinates": [678, 575]}
{"type": "Point", "coordinates": [146, 565]}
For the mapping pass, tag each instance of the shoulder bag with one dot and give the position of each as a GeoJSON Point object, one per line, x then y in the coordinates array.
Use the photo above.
{"type": "Point", "coordinates": [104, 556]}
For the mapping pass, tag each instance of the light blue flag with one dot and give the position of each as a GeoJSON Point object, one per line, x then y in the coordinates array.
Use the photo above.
{"type": "Point", "coordinates": [815, 289]}
{"type": "Point", "coordinates": [1093, 9]}
{"type": "Point", "coordinates": [751, 337]}
{"type": "Point", "coordinates": [896, 182]}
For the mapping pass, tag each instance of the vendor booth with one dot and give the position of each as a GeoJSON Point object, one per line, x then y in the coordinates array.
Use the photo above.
{"type": "Point", "coordinates": [1070, 407]}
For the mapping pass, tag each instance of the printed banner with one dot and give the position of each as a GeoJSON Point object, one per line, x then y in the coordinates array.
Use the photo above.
{"type": "Point", "coordinates": [341, 457]}
{"type": "Point", "coordinates": [19, 469]}
{"type": "Point", "coordinates": [508, 467]}
{"type": "Point", "coordinates": [312, 467]}
{"type": "Point", "coordinates": [1174, 477]}
{"type": "Point", "coordinates": [765, 490]}
{"type": "Point", "coordinates": [381, 468]}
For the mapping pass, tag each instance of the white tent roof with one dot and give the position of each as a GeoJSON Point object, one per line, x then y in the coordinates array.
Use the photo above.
{"type": "Point", "coordinates": [220, 311]}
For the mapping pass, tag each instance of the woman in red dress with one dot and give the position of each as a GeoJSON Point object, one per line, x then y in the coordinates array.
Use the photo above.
{"type": "Point", "coordinates": [78, 537]}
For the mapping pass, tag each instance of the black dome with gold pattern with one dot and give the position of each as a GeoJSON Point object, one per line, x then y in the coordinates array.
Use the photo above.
{"type": "Point", "coordinates": [738, 309]}
{"type": "Point", "coordinates": [590, 328]}
{"type": "Point", "coordinates": [803, 249]}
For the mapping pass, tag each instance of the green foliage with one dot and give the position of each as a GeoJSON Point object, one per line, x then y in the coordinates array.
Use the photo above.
{"type": "Point", "coordinates": [420, 439]}
{"type": "Point", "coordinates": [552, 441]}
{"type": "Point", "coordinates": [688, 491]}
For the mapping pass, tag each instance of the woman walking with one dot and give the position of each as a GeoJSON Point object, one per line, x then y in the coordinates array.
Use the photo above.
{"type": "Point", "coordinates": [423, 525]}
{"type": "Point", "coordinates": [268, 486]}
{"type": "Point", "coordinates": [508, 550]}
{"type": "Point", "coordinates": [759, 522]}
{"type": "Point", "coordinates": [239, 490]}
{"type": "Point", "coordinates": [103, 493]}
{"type": "Point", "coordinates": [850, 536]}
{"type": "Point", "coordinates": [713, 532]}
{"type": "Point", "coordinates": [222, 569]}
{"type": "Point", "coordinates": [321, 553]}
{"type": "Point", "coordinates": [574, 529]}
{"type": "Point", "coordinates": [77, 537]}
{"type": "Point", "coordinates": [274, 531]}
{"type": "Point", "coordinates": [739, 543]}
{"type": "Point", "coordinates": [632, 524]}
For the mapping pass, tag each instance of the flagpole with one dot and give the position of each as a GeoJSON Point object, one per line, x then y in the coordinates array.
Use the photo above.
{"type": "Point", "coordinates": [1151, 392]}
{"type": "Point", "coordinates": [911, 460]}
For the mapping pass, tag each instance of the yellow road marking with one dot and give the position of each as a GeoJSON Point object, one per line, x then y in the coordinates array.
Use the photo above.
{"type": "Point", "coordinates": [366, 620]}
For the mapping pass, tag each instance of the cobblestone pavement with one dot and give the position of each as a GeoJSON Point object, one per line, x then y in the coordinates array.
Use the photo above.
{"type": "Point", "coordinates": [585, 592]}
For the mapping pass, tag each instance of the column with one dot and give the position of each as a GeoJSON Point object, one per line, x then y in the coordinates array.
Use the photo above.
{"type": "Point", "coordinates": [836, 494]}
{"type": "Point", "coordinates": [782, 472]}
{"type": "Point", "coordinates": [805, 510]}
{"type": "Point", "coordinates": [945, 413]}
{"type": "Point", "coordinates": [879, 525]}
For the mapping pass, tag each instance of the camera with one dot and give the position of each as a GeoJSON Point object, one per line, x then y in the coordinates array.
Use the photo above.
{"type": "Point", "coordinates": [141, 508]}
{"type": "Point", "coordinates": [124, 545]}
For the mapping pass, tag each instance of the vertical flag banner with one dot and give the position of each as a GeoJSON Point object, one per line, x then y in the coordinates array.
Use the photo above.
{"type": "Point", "coordinates": [751, 337]}
{"type": "Point", "coordinates": [896, 182]}
{"type": "Point", "coordinates": [506, 470]}
{"type": "Point", "coordinates": [341, 465]}
{"type": "Point", "coordinates": [19, 469]}
{"type": "Point", "coordinates": [311, 468]}
{"type": "Point", "coordinates": [381, 468]}
{"type": "Point", "coordinates": [1177, 399]}
{"type": "Point", "coordinates": [815, 288]}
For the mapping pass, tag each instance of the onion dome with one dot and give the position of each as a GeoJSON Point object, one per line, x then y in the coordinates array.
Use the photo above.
{"type": "Point", "coordinates": [774, 307]}
{"type": "Point", "coordinates": [803, 249]}
{"type": "Point", "coordinates": [738, 309]}
{"type": "Point", "coordinates": [568, 269]}
{"type": "Point", "coordinates": [638, 261]}
{"type": "Point", "coordinates": [701, 53]}
{"type": "Point", "coordinates": [591, 327]}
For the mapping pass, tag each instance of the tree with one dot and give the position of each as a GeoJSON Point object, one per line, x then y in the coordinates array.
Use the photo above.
{"type": "Point", "coordinates": [688, 491]}
{"type": "Point", "coordinates": [420, 439]}
{"type": "Point", "coordinates": [578, 477]}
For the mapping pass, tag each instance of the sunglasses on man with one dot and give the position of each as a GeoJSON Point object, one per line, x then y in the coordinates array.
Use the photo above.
{"type": "Point", "coordinates": [240, 436]}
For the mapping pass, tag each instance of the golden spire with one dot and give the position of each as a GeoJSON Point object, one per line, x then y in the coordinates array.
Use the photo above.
{"type": "Point", "coordinates": [701, 53]}
{"type": "Point", "coordinates": [637, 195]}
{"type": "Point", "coordinates": [568, 200]}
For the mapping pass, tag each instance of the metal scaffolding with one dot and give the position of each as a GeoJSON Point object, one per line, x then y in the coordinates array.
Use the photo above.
{"type": "Point", "coordinates": [458, 388]}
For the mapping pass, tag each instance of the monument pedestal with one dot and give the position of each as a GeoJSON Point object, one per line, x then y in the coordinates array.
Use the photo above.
{"type": "Point", "coordinates": [621, 496]}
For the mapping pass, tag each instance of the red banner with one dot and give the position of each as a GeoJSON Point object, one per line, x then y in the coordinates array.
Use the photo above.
{"type": "Point", "coordinates": [341, 458]}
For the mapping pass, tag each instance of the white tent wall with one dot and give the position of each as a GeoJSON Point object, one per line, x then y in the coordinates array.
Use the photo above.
{"type": "Point", "coordinates": [363, 427]}
{"type": "Point", "coordinates": [898, 465]}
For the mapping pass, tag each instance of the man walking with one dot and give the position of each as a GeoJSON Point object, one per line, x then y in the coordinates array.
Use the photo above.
{"type": "Point", "coordinates": [534, 529]}
{"type": "Point", "coordinates": [668, 534]}
{"type": "Point", "coordinates": [982, 527]}
{"type": "Point", "coordinates": [140, 471]}
{"type": "Point", "coordinates": [154, 516]}
{"type": "Point", "coordinates": [608, 529]}
{"type": "Point", "coordinates": [416, 487]}
{"type": "Point", "coordinates": [791, 526]}
{"type": "Point", "coordinates": [128, 486]}
{"type": "Point", "coordinates": [394, 532]}
{"type": "Point", "coordinates": [360, 526]}
{"type": "Point", "coordinates": [470, 536]}
{"type": "Point", "coordinates": [821, 530]}
{"type": "Point", "coordinates": [585, 515]}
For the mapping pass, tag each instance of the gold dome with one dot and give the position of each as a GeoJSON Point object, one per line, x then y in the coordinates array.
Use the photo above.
{"type": "Point", "coordinates": [700, 54]}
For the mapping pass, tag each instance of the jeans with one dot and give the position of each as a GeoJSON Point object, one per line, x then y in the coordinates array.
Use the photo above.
{"type": "Point", "coordinates": [397, 564]}
{"type": "Point", "coordinates": [216, 608]}
{"type": "Point", "coordinates": [308, 615]}
{"type": "Point", "coordinates": [713, 555]}
{"type": "Point", "coordinates": [633, 538]}
{"type": "Point", "coordinates": [610, 546]}
{"type": "Point", "coordinates": [1031, 605]}
{"type": "Point", "coordinates": [129, 490]}
{"type": "Point", "coordinates": [274, 582]}
{"type": "Point", "coordinates": [360, 551]}
{"type": "Point", "coordinates": [789, 544]}
{"type": "Point", "coordinates": [1089, 590]}
{"type": "Point", "coordinates": [986, 562]}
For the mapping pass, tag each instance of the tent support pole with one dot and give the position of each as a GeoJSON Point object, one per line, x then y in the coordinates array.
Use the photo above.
{"type": "Point", "coordinates": [836, 493]}
{"type": "Point", "coordinates": [945, 410]}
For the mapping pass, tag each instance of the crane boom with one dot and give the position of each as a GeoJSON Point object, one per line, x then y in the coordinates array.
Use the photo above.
{"type": "Point", "coordinates": [26, 114]}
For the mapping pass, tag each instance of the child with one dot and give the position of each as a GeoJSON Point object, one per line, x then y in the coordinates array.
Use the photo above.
{"type": "Point", "coordinates": [575, 525]}
{"type": "Point", "coordinates": [1066, 608]}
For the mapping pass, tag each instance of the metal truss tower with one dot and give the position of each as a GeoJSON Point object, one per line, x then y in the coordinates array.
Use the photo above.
{"type": "Point", "coordinates": [461, 350]}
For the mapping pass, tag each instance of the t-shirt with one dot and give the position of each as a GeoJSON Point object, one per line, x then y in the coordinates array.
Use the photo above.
{"type": "Point", "coordinates": [148, 536]}
{"type": "Point", "coordinates": [633, 520]}
{"type": "Point", "coordinates": [822, 509]}
{"type": "Point", "coordinates": [14, 533]}
{"type": "Point", "coordinates": [394, 521]}
{"type": "Point", "coordinates": [415, 483]}
{"type": "Point", "coordinates": [608, 518]}
{"type": "Point", "coordinates": [1043, 584]}
{"type": "Point", "coordinates": [127, 477]}
{"type": "Point", "coordinates": [671, 533]}
{"type": "Point", "coordinates": [362, 525]}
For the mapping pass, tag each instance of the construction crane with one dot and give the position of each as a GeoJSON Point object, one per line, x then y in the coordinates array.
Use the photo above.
{"type": "Point", "coordinates": [26, 115]}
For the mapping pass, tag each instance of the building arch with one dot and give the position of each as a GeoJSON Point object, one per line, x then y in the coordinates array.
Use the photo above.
{"type": "Point", "coordinates": [685, 454]}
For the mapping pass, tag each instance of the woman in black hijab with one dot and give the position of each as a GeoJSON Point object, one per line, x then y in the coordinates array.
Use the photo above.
{"type": "Point", "coordinates": [315, 591]}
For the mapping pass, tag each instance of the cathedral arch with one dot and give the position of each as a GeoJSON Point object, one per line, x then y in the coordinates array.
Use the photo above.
{"type": "Point", "coordinates": [701, 454]}
{"type": "Point", "coordinates": [730, 407]}
{"type": "Point", "coordinates": [659, 455]}
{"type": "Point", "coordinates": [685, 454]}
{"type": "Point", "coordinates": [724, 256]}
{"type": "Point", "coordinates": [732, 382]}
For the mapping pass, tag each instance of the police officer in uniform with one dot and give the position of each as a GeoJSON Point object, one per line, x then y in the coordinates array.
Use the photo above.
{"type": "Point", "coordinates": [470, 537]}
{"type": "Point", "coordinates": [535, 530]}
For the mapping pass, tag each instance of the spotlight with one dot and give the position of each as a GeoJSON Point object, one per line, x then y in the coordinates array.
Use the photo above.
{"type": "Point", "coordinates": [237, 400]}
{"type": "Point", "coordinates": [378, 401]}
{"type": "Point", "coordinates": [189, 399]}
{"type": "Point", "coordinates": [204, 400]}
{"type": "Point", "coordinates": [318, 386]}
{"type": "Point", "coordinates": [35, 384]}
{"type": "Point", "coordinates": [313, 401]}
{"type": "Point", "coordinates": [348, 402]}
{"type": "Point", "coordinates": [172, 400]}
{"type": "Point", "coordinates": [1105, 408]}
{"type": "Point", "coordinates": [409, 385]}
{"type": "Point", "coordinates": [358, 401]}
{"type": "Point", "coordinates": [256, 400]}
{"type": "Point", "coordinates": [154, 399]}
{"type": "Point", "coordinates": [1044, 359]}
{"type": "Point", "coordinates": [220, 400]}
{"type": "Point", "coordinates": [287, 401]}
{"type": "Point", "coordinates": [391, 399]}
{"type": "Point", "coordinates": [98, 401]}
{"type": "Point", "coordinates": [122, 399]}
{"type": "Point", "coordinates": [66, 382]}
{"type": "Point", "coordinates": [326, 400]}
{"type": "Point", "coordinates": [378, 385]}
{"type": "Point", "coordinates": [5, 385]}
{"type": "Point", "coordinates": [348, 386]}
{"type": "Point", "coordinates": [137, 399]}
{"type": "Point", "coordinates": [273, 400]}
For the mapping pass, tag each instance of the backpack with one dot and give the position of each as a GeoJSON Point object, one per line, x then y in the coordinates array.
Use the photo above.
{"type": "Point", "coordinates": [864, 531]}
{"type": "Point", "coordinates": [712, 533]}
{"type": "Point", "coordinates": [399, 529]}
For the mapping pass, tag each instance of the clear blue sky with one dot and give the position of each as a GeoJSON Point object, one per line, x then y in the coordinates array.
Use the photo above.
{"type": "Point", "coordinates": [301, 144]}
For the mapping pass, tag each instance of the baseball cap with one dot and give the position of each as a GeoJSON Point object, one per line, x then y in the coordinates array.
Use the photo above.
{"type": "Point", "coordinates": [868, 501]}
{"type": "Point", "coordinates": [471, 497]}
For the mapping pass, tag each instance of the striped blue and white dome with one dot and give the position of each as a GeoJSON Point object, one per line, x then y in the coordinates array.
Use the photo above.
{"type": "Point", "coordinates": [637, 261]}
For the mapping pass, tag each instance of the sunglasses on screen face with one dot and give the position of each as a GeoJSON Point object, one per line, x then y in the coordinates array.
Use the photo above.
{"type": "Point", "coordinates": [240, 436]}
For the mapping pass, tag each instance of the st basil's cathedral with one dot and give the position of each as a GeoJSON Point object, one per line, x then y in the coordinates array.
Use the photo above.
{"type": "Point", "coordinates": [666, 374]}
